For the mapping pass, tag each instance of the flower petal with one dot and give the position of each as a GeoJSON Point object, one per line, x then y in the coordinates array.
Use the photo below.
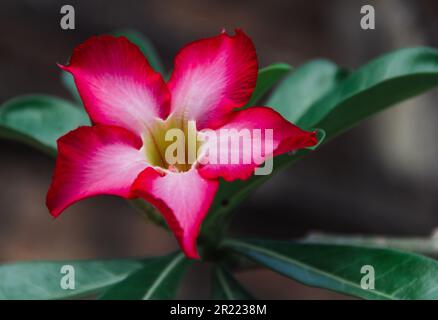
{"type": "Point", "coordinates": [183, 198]}
{"type": "Point", "coordinates": [285, 137]}
{"type": "Point", "coordinates": [117, 84]}
{"type": "Point", "coordinates": [93, 161]}
{"type": "Point", "coordinates": [213, 76]}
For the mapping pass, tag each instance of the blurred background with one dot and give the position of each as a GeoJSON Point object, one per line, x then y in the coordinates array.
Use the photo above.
{"type": "Point", "coordinates": [379, 178]}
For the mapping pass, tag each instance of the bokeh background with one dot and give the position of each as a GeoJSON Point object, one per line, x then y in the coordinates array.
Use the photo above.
{"type": "Point", "coordinates": [379, 178]}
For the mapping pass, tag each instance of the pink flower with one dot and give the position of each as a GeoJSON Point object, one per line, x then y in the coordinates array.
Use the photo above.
{"type": "Point", "coordinates": [131, 107]}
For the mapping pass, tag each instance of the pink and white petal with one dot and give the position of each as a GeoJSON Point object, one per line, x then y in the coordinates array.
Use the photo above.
{"type": "Point", "coordinates": [94, 161]}
{"type": "Point", "coordinates": [211, 77]}
{"type": "Point", "coordinates": [117, 84]}
{"type": "Point", "coordinates": [260, 145]}
{"type": "Point", "coordinates": [183, 198]}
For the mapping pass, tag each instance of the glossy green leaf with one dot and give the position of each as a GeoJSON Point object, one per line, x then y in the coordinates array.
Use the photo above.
{"type": "Point", "coordinates": [226, 287]}
{"type": "Point", "coordinates": [266, 79]}
{"type": "Point", "coordinates": [383, 82]}
{"type": "Point", "coordinates": [43, 279]}
{"type": "Point", "coordinates": [69, 83]}
{"type": "Point", "coordinates": [39, 120]}
{"type": "Point", "coordinates": [398, 275]}
{"type": "Point", "coordinates": [159, 278]}
{"type": "Point", "coordinates": [145, 46]}
{"type": "Point", "coordinates": [303, 87]}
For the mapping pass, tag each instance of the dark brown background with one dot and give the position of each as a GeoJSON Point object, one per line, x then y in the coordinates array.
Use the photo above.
{"type": "Point", "coordinates": [380, 178]}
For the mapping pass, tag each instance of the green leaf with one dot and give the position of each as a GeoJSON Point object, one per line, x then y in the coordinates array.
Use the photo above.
{"type": "Point", "coordinates": [69, 83]}
{"type": "Point", "coordinates": [42, 279]}
{"type": "Point", "coordinates": [226, 287]}
{"type": "Point", "coordinates": [39, 120]}
{"type": "Point", "coordinates": [145, 46]}
{"type": "Point", "coordinates": [398, 275]}
{"type": "Point", "coordinates": [266, 79]}
{"type": "Point", "coordinates": [159, 278]}
{"type": "Point", "coordinates": [421, 245]}
{"type": "Point", "coordinates": [377, 85]}
{"type": "Point", "coordinates": [303, 87]}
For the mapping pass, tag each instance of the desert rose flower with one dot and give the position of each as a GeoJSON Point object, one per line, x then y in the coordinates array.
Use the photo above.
{"type": "Point", "coordinates": [132, 107]}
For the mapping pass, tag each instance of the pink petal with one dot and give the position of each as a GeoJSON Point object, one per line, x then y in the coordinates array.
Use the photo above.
{"type": "Point", "coordinates": [285, 137]}
{"type": "Point", "coordinates": [183, 198]}
{"type": "Point", "coordinates": [93, 161]}
{"type": "Point", "coordinates": [117, 84]}
{"type": "Point", "coordinates": [213, 76]}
